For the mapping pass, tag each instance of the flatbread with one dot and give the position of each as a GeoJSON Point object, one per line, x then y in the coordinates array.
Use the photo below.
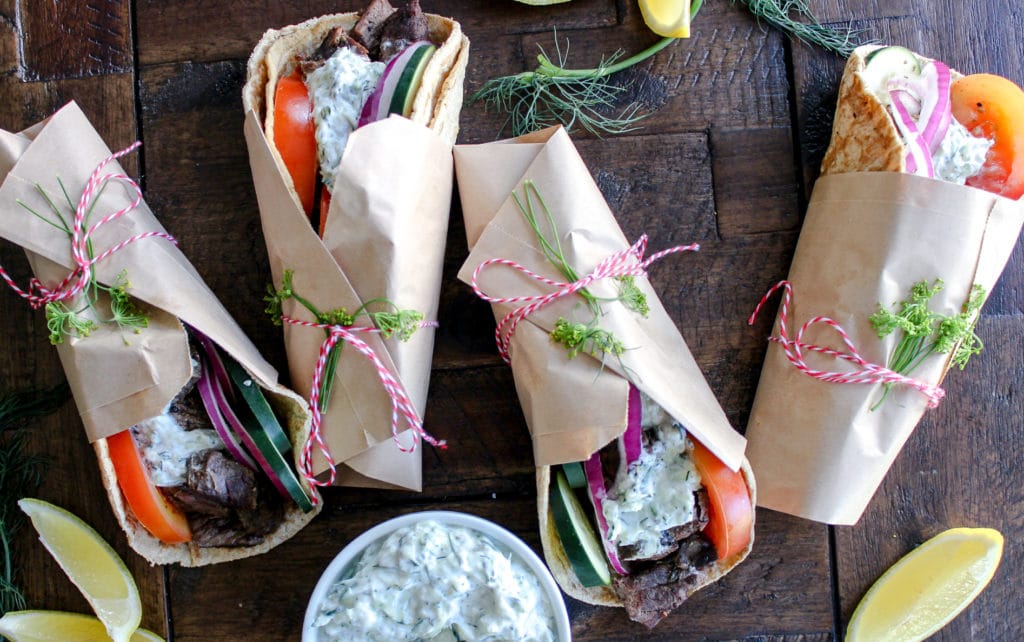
{"type": "Point", "coordinates": [295, 412]}
{"type": "Point", "coordinates": [562, 571]}
{"type": "Point", "coordinates": [864, 136]}
{"type": "Point", "coordinates": [437, 103]}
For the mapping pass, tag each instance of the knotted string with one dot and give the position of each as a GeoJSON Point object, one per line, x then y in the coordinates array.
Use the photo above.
{"type": "Point", "coordinates": [867, 373]}
{"type": "Point", "coordinates": [401, 406]}
{"type": "Point", "coordinates": [627, 262]}
{"type": "Point", "coordinates": [78, 280]}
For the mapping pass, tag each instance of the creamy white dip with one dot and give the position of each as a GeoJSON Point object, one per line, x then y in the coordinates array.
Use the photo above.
{"type": "Point", "coordinates": [656, 492]}
{"type": "Point", "coordinates": [436, 582]}
{"type": "Point", "coordinates": [960, 155]}
{"type": "Point", "coordinates": [166, 446]}
{"type": "Point", "coordinates": [338, 89]}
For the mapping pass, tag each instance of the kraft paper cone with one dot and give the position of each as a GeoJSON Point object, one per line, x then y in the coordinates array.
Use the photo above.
{"type": "Point", "coordinates": [574, 407]}
{"type": "Point", "coordinates": [817, 449]}
{"type": "Point", "coordinates": [385, 237]}
{"type": "Point", "coordinates": [118, 378]}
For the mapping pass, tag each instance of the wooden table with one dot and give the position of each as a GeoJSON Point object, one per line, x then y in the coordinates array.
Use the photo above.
{"type": "Point", "coordinates": [740, 117]}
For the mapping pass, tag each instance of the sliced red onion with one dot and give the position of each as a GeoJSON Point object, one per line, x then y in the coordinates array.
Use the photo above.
{"type": "Point", "coordinates": [919, 158]}
{"type": "Point", "coordinates": [595, 484]}
{"type": "Point", "coordinates": [215, 362]}
{"type": "Point", "coordinates": [221, 416]}
{"type": "Point", "coordinates": [936, 108]}
{"type": "Point", "coordinates": [631, 443]}
{"type": "Point", "coordinates": [377, 105]}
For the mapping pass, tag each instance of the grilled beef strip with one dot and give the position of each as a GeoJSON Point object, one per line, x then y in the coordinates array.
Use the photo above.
{"type": "Point", "coordinates": [402, 28]}
{"type": "Point", "coordinates": [367, 30]}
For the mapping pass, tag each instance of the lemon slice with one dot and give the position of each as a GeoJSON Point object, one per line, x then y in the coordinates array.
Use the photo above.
{"type": "Point", "coordinates": [667, 18]}
{"type": "Point", "coordinates": [57, 626]}
{"type": "Point", "coordinates": [91, 564]}
{"type": "Point", "coordinates": [927, 587]}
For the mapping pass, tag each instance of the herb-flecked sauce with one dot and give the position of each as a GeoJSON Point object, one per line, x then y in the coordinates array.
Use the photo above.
{"type": "Point", "coordinates": [436, 582]}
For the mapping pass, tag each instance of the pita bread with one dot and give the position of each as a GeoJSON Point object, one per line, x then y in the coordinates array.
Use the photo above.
{"type": "Point", "coordinates": [437, 103]}
{"type": "Point", "coordinates": [864, 136]}
{"type": "Point", "coordinates": [562, 571]}
{"type": "Point", "coordinates": [287, 405]}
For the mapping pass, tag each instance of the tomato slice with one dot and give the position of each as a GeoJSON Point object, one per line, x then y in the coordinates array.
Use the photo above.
{"type": "Point", "coordinates": [993, 107]}
{"type": "Point", "coordinates": [161, 518]}
{"type": "Point", "coordinates": [730, 512]}
{"type": "Point", "coordinates": [325, 205]}
{"type": "Point", "coordinates": [295, 136]}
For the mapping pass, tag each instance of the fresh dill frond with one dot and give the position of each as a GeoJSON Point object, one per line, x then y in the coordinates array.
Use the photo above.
{"type": "Point", "coordinates": [589, 338]}
{"type": "Point", "coordinates": [551, 94]}
{"type": "Point", "coordinates": [924, 332]}
{"type": "Point", "coordinates": [62, 321]}
{"type": "Point", "coordinates": [632, 296]}
{"type": "Point", "coordinates": [20, 475]}
{"type": "Point", "coordinates": [795, 18]}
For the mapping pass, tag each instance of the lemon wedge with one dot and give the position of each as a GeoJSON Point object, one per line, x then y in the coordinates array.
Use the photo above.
{"type": "Point", "coordinates": [91, 564]}
{"type": "Point", "coordinates": [927, 587]}
{"type": "Point", "coordinates": [57, 626]}
{"type": "Point", "coordinates": [667, 18]}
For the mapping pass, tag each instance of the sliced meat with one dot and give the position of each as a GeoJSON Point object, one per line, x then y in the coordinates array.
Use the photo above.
{"type": "Point", "coordinates": [367, 31]}
{"type": "Point", "coordinates": [225, 502]}
{"type": "Point", "coordinates": [334, 40]}
{"type": "Point", "coordinates": [651, 592]}
{"type": "Point", "coordinates": [402, 28]}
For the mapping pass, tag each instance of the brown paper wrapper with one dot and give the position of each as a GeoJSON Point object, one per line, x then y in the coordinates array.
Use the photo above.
{"type": "Point", "coordinates": [574, 407]}
{"type": "Point", "coordinates": [385, 237]}
{"type": "Point", "coordinates": [118, 378]}
{"type": "Point", "coordinates": [817, 449]}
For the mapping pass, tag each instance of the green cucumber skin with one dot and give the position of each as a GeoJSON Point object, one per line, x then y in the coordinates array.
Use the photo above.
{"type": "Point", "coordinates": [569, 532]}
{"type": "Point", "coordinates": [574, 474]}
{"type": "Point", "coordinates": [407, 86]}
{"type": "Point", "coordinates": [258, 404]}
{"type": "Point", "coordinates": [893, 53]}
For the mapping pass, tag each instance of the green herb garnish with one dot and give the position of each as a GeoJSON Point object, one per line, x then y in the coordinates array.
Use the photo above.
{"type": "Point", "coordinates": [83, 317]}
{"type": "Point", "coordinates": [795, 18]}
{"type": "Point", "coordinates": [577, 337]}
{"type": "Point", "coordinates": [392, 321]}
{"type": "Point", "coordinates": [20, 474]}
{"type": "Point", "coordinates": [925, 332]}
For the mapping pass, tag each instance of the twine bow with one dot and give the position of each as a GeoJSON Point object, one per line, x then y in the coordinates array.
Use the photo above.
{"type": "Point", "coordinates": [78, 279]}
{"type": "Point", "coordinates": [627, 262]}
{"type": "Point", "coordinates": [866, 373]}
{"type": "Point", "coordinates": [401, 406]}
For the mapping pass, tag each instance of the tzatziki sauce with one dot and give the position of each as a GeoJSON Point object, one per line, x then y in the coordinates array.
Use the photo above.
{"type": "Point", "coordinates": [166, 446]}
{"type": "Point", "coordinates": [437, 582]}
{"type": "Point", "coordinates": [338, 89]}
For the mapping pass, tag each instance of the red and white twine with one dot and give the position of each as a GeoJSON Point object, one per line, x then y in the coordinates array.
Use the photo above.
{"type": "Point", "coordinates": [627, 262]}
{"type": "Point", "coordinates": [866, 373]}
{"type": "Point", "coordinates": [74, 283]}
{"type": "Point", "coordinates": [401, 406]}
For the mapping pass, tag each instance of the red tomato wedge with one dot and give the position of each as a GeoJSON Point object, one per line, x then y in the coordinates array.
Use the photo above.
{"type": "Point", "coordinates": [295, 136]}
{"type": "Point", "coordinates": [730, 511]}
{"type": "Point", "coordinates": [325, 205]}
{"type": "Point", "coordinates": [993, 107]}
{"type": "Point", "coordinates": [163, 520]}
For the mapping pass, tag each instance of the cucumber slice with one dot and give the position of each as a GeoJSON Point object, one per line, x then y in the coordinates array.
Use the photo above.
{"type": "Point", "coordinates": [575, 475]}
{"type": "Point", "coordinates": [264, 438]}
{"type": "Point", "coordinates": [886, 63]}
{"type": "Point", "coordinates": [409, 81]}
{"type": "Point", "coordinates": [584, 551]}
{"type": "Point", "coordinates": [254, 398]}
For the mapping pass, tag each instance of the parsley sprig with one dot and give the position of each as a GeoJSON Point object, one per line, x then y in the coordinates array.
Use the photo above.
{"type": "Point", "coordinates": [925, 332]}
{"type": "Point", "coordinates": [83, 316]}
{"type": "Point", "coordinates": [577, 337]}
{"type": "Point", "coordinates": [392, 321]}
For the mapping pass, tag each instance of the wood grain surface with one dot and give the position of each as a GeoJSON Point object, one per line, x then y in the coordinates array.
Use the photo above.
{"type": "Point", "coordinates": [739, 118]}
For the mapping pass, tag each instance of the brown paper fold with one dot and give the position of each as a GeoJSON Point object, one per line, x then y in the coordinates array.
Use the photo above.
{"type": "Point", "coordinates": [385, 237]}
{"type": "Point", "coordinates": [117, 378]}
{"type": "Point", "coordinates": [573, 407]}
{"type": "Point", "coordinates": [817, 448]}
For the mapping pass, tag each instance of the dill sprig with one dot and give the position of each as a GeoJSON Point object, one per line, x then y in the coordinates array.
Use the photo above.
{"type": "Point", "coordinates": [925, 332]}
{"type": "Point", "coordinates": [20, 475]}
{"type": "Point", "coordinates": [392, 321]}
{"type": "Point", "coordinates": [577, 337]}
{"type": "Point", "coordinates": [83, 319]}
{"type": "Point", "coordinates": [795, 18]}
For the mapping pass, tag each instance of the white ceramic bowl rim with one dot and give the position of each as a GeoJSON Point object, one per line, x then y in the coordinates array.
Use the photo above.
{"type": "Point", "coordinates": [351, 552]}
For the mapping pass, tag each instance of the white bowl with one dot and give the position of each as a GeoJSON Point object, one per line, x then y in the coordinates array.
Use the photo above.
{"type": "Point", "coordinates": [505, 540]}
